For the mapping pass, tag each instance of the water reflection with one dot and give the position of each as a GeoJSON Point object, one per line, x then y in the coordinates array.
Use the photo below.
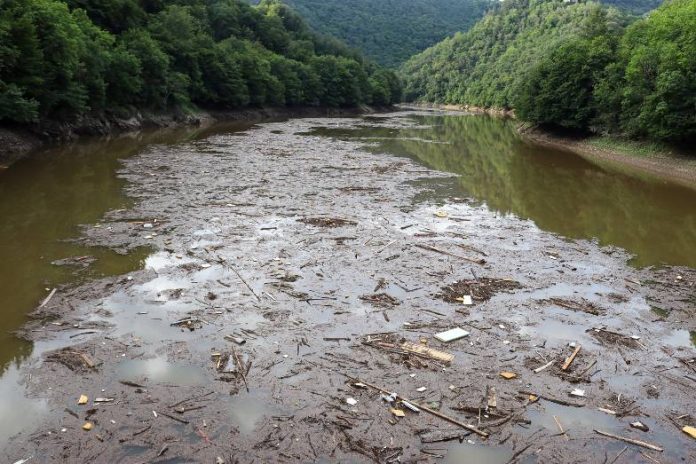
{"type": "Point", "coordinates": [558, 190]}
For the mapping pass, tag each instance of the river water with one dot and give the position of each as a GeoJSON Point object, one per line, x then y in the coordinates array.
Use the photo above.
{"type": "Point", "coordinates": [46, 197]}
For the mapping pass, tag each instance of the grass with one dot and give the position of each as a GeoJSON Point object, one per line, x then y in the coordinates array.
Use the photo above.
{"type": "Point", "coordinates": [644, 149]}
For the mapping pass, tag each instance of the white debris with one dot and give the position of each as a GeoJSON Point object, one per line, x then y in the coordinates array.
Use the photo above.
{"type": "Point", "coordinates": [451, 335]}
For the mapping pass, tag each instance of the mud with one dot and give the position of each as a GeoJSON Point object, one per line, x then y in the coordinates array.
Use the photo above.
{"type": "Point", "coordinates": [278, 260]}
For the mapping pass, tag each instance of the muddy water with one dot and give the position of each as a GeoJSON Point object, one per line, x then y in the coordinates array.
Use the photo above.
{"type": "Point", "coordinates": [258, 231]}
{"type": "Point", "coordinates": [560, 191]}
{"type": "Point", "coordinates": [44, 199]}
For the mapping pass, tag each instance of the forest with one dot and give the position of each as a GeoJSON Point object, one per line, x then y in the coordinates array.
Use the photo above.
{"type": "Point", "coordinates": [390, 31]}
{"type": "Point", "coordinates": [580, 66]}
{"type": "Point", "coordinates": [63, 59]}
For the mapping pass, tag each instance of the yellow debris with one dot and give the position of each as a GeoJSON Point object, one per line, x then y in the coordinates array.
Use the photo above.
{"type": "Point", "coordinates": [88, 426]}
{"type": "Point", "coordinates": [508, 375]}
{"type": "Point", "coordinates": [690, 431]}
{"type": "Point", "coordinates": [83, 399]}
{"type": "Point", "coordinates": [398, 412]}
{"type": "Point", "coordinates": [441, 214]}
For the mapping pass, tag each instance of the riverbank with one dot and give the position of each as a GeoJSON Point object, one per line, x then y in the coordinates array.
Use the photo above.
{"type": "Point", "coordinates": [295, 275]}
{"type": "Point", "coordinates": [16, 141]}
{"type": "Point", "coordinates": [655, 162]}
{"type": "Point", "coordinates": [631, 158]}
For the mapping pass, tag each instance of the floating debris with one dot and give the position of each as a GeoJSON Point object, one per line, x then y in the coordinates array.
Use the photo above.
{"type": "Point", "coordinates": [451, 335]}
{"type": "Point", "coordinates": [327, 222]}
{"type": "Point", "coordinates": [481, 289]}
{"type": "Point", "coordinates": [381, 300]}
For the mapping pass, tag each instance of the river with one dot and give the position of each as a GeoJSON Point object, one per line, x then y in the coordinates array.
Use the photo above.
{"type": "Point", "coordinates": [45, 198]}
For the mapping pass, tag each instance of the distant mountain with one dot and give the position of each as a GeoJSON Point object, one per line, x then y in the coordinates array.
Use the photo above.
{"type": "Point", "coordinates": [390, 31]}
{"type": "Point", "coordinates": [486, 65]}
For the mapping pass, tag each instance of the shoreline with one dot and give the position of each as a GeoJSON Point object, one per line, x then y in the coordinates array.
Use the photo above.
{"type": "Point", "coordinates": [18, 141]}
{"type": "Point", "coordinates": [663, 166]}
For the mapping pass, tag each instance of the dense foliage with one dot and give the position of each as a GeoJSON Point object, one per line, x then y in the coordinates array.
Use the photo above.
{"type": "Point", "coordinates": [390, 31]}
{"type": "Point", "coordinates": [61, 59]}
{"type": "Point", "coordinates": [580, 66]}
{"type": "Point", "coordinates": [634, 6]}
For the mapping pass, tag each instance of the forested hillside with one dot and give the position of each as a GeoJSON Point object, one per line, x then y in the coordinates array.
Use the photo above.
{"type": "Point", "coordinates": [634, 6]}
{"type": "Point", "coordinates": [390, 31]}
{"type": "Point", "coordinates": [62, 59]}
{"type": "Point", "coordinates": [581, 66]}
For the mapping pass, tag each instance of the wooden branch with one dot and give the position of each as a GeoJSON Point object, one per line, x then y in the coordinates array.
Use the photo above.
{"type": "Point", "coordinates": [442, 252]}
{"type": "Point", "coordinates": [570, 360]}
{"type": "Point", "coordinates": [471, 428]}
{"type": "Point", "coordinates": [631, 441]}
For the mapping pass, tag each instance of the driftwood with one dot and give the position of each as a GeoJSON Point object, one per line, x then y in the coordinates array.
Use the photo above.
{"type": "Point", "coordinates": [570, 359]}
{"type": "Point", "coordinates": [471, 428]}
{"type": "Point", "coordinates": [447, 253]}
{"type": "Point", "coordinates": [48, 298]}
{"type": "Point", "coordinates": [553, 400]}
{"type": "Point", "coordinates": [630, 440]}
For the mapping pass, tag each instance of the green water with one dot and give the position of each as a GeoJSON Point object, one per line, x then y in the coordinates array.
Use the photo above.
{"type": "Point", "coordinates": [558, 190]}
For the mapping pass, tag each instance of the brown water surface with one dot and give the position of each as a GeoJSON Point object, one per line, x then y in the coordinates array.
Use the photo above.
{"type": "Point", "coordinates": [560, 191]}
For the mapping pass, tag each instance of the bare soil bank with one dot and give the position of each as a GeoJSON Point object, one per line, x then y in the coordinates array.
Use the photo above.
{"type": "Point", "coordinates": [18, 140]}
{"type": "Point", "coordinates": [297, 276]}
{"type": "Point", "coordinates": [679, 170]}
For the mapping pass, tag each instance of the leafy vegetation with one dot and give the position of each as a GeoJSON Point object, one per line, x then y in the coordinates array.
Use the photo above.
{"type": "Point", "coordinates": [390, 31]}
{"type": "Point", "coordinates": [634, 6]}
{"type": "Point", "coordinates": [581, 66]}
{"type": "Point", "coordinates": [63, 59]}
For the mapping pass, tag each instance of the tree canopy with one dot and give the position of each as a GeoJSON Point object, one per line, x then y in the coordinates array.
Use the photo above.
{"type": "Point", "coordinates": [390, 31]}
{"type": "Point", "coordinates": [582, 66]}
{"type": "Point", "coordinates": [62, 59]}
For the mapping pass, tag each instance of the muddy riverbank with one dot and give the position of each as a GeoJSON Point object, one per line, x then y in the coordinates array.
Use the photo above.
{"type": "Point", "coordinates": [667, 167]}
{"type": "Point", "coordinates": [16, 141]}
{"type": "Point", "coordinates": [664, 166]}
{"type": "Point", "coordinates": [292, 273]}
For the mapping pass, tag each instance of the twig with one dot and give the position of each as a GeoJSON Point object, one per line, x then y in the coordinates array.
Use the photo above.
{"type": "Point", "coordinates": [426, 409]}
{"type": "Point", "coordinates": [548, 364]}
{"type": "Point", "coordinates": [517, 453]}
{"type": "Point", "coordinates": [619, 455]}
{"type": "Point", "coordinates": [560, 427]}
{"type": "Point", "coordinates": [647, 456]}
{"type": "Point", "coordinates": [630, 440]}
{"type": "Point", "coordinates": [244, 281]}
{"type": "Point", "coordinates": [48, 298]}
{"type": "Point", "coordinates": [570, 360]}
{"type": "Point", "coordinates": [197, 397]}
{"type": "Point", "coordinates": [553, 400]}
{"type": "Point", "coordinates": [225, 263]}
{"type": "Point", "coordinates": [135, 434]}
{"type": "Point", "coordinates": [471, 260]}
{"type": "Point", "coordinates": [241, 368]}
{"type": "Point", "coordinates": [174, 418]}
